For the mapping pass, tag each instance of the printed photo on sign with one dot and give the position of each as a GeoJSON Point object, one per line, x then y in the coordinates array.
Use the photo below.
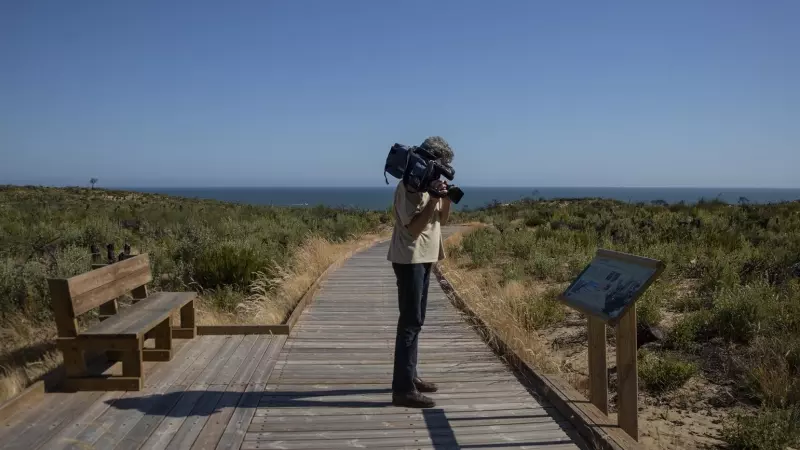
{"type": "Point", "coordinates": [607, 286]}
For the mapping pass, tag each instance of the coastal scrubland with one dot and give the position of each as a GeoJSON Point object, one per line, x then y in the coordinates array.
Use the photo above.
{"type": "Point", "coordinates": [719, 362]}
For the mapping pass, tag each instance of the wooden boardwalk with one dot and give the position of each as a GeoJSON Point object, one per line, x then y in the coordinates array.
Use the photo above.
{"type": "Point", "coordinates": [326, 387]}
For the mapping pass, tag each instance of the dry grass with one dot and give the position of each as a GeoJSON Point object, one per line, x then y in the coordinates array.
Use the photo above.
{"type": "Point", "coordinates": [27, 353]}
{"type": "Point", "coordinates": [273, 298]}
{"type": "Point", "coordinates": [508, 309]}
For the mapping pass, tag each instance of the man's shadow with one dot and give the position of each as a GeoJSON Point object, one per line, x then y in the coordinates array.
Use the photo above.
{"type": "Point", "coordinates": [208, 402]}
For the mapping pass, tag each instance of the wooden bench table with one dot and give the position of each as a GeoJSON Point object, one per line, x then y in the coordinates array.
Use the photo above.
{"type": "Point", "coordinates": [119, 335]}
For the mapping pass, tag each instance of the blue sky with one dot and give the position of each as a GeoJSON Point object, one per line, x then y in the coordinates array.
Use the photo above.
{"type": "Point", "coordinates": [313, 93]}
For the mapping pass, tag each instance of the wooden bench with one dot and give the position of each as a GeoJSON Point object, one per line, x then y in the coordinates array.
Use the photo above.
{"type": "Point", "coordinates": [119, 335]}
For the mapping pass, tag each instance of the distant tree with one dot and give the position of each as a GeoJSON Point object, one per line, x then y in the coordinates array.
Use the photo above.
{"type": "Point", "coordinates": [744, 200]}
{"type": "Point", "coordinates": [659, 203]}
{"type": "Point", "coordinates": [93, 181]}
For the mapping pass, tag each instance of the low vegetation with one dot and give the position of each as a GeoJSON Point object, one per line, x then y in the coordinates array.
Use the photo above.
{"type": "Point", "coordinates": [250, 263]}
{"type": "Point", "coordinates": [728, 303]}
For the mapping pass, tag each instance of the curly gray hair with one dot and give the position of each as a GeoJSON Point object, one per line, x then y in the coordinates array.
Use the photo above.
{"type": "Point", "coordinates": [439, 148]}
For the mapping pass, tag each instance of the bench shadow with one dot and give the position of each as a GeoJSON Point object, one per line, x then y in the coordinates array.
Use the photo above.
{"type": "Point", "coordinates": [205, 403]}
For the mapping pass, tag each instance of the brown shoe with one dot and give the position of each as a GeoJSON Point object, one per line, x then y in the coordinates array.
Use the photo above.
{"type": "Point", "coordinates": [412, 400]}
{"type": "Point", "coordinates": [424, 386]}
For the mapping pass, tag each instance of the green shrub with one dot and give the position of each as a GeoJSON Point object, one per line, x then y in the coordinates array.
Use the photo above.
{"type": "Point", "coordinates": [229, 264]}
{"type": "Point", "coordinates": [47, 232]}
{"type": "Point", "coordinates": [649, 306]}
{"type": "Point", "coordinates": [543, 310]}
{"type": "Point", "coordinates": [768, 429]}
{"type": "Point", "coordinates": [690, 329]}
{"type": "Point", "coordinates": [740, 312]}
{"type": "Point", "coordinates": [772, 372]}
{"type": "Point", "coordinates": [661, 374]}
{"type": "Point", "coordinates": [481, 246]}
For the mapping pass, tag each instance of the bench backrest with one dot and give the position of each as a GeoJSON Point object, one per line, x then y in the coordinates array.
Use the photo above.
{"type": "Point", "coordinates": [74, 296]}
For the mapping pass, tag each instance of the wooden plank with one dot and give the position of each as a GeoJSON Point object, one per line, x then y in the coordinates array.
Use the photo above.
{"type": "Point", "coordinates": [17, 404]}
{"type": "Point", "coordinates": [396, 421]}
{"type": "Point", "coordinates": [475, 385]}
{"type": "Point", "coordinates": [91, 299]}
{"type": "Point", "coordinates": [67, 437]}
{"type": "Point", "coordinates": [98, 344]}
{"type": "Point", "coordinates": [135, 427]}
{"type": "Point", "coordinates": [192, 426]}
{"type": "Point", "coordinates": [628, 382]}
{"type": "Point", "coordinates": [89, 281]}
{"type": "Point", "coordinates": [330, 411]}
{"type": "Point", "coordinates": [131, 323]}
{"type": "Point", "coordinates": [211, 434]}
{"type": "Point", "coordinates": [48, 422]}
{"type": "Point", "coordinates": [161, 437]}
{"type": "Point", "coordinates": [230, 330]}
{"type": "Point", "coordinates": [598, 368]}
{"type": "Point", "coordinates": [163, 335]}
{"type": "Point", "coordinates": [156, 355]}
{"type": "Point", "coordinates": [308, 296]}
{"type": "Point", "coordinates": [443, 428]}
{"type": "Point", "coordinates": [103, 383]}
{"type": "Point", "coordinates": [79, 423]}
{"type": "Point", "coordinates": [63, 311]}
{"type": "Point", "coordinates": [187, 320]}
{"type": "Point", "coordinates": [190, 429]}
{"type": "Point", "coordinates": [183, 333]}
{"type": "Point", "coordinates": [235, 432]}
{"type": "Point", "coordinates": [535, 439]}
{"type": "Point", "coordinates": [143, 316]}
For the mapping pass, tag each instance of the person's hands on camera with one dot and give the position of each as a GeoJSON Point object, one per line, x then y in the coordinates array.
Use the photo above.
{"type": "Point", "coordinates": [440, 187]}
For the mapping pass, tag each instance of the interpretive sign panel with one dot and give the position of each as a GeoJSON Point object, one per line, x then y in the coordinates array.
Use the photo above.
{"type": "Point", "coordinates": [611, 283]}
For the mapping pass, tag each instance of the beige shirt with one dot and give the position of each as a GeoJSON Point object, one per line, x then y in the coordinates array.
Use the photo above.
{"type": "Point", "coordinates": [427, 247]}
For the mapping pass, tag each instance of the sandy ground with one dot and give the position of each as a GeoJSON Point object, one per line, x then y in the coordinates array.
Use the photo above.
{"type": "Point", "coordinates": [684, 419]}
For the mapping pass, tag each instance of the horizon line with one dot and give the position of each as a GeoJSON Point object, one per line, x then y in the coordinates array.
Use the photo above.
{"type": "Point", "coordinates": [392, 186]}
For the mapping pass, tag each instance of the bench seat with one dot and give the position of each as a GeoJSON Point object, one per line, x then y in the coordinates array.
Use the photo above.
{"type": "Point", "coordinates": [140, 317]}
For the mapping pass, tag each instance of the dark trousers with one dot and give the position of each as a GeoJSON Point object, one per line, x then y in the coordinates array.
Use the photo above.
{"type": "Point", "coordinates": [412, 299]}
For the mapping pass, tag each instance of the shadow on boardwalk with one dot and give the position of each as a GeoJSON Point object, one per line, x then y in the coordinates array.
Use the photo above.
{"type": "Point", "coordinates": [439, 427]}
{"type": "Point", "coordinates": [231, 399]}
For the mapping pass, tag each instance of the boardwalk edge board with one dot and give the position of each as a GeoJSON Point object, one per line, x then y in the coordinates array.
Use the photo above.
{"type": "Point", "coordinates": [596, 428]}
{"type": "Point", "coordinates": [31, 394]}
{"type": "Point", "coordinates": [286, 327]}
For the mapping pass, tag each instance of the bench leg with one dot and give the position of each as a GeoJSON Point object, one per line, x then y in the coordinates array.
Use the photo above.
{"type": "Point", "coordinates": [187, 330]}
{"type": "Point", "coordinates": [163, 337]}
{"type": "Point", "coordinates": [78, 377]}
{"type": "Point", "coordinates": [74, 362]}
{"type": "Point", "coordinates": [133, 366]}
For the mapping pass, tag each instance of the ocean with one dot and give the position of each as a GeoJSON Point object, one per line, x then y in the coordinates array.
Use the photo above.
{"type": "Point", "coordinates": [378, 198]}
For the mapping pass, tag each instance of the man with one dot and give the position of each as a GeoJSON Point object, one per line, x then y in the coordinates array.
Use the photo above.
{"type": "Point", "coordinates": [416, 245]}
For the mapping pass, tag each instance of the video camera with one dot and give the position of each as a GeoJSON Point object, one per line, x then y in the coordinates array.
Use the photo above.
{"type": "Point", "coordinates": [419, 168]}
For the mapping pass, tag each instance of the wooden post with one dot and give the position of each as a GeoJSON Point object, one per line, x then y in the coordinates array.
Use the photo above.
{"type": "Point", "coordinates": [126, 252]}
{"type": "Point", "coordinates": [627, 375]}
{"type": "Point", "coordinates": [188, 328]}
{"type": "Point", "coordinates": [598, 368]}
{"type": "Point", "coordinates": [96, 256]}
{"type": "Point", "coordinates": [110, 253]}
